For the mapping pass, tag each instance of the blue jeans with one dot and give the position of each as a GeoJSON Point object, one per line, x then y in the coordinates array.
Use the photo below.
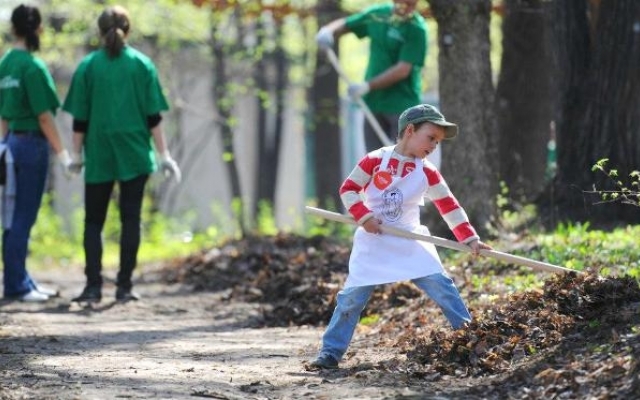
{"type": "Point", "coordinates": [351, 301]}
{"type": "Point", "coordinates": [31, 158]}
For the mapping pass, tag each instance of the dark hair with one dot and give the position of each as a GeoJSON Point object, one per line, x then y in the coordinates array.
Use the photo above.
{"type": "Point", "coordinates": [26, 20]}
{"type": "Point", "coordinates": [416, 126]}
{"type": "Point", "coordinates": [114, 27]}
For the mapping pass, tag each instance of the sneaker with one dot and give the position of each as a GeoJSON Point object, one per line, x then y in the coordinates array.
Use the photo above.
{"type": "Point", "coordinates": [90, 294]}
{"type": "Point", "coordinates": [33, 296]}
{"type": "Point", "coordinates": [324, 361]}
{"type": "Point", "coordinates": [123, 294]}
{"type": "Point", "coordinates": [47, 291]}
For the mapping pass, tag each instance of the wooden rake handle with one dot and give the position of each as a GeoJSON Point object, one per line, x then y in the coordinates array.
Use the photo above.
{"type": "Point", "coordinates": [333, 59]}
{"type": "Point", "coordinates": [449, 244]}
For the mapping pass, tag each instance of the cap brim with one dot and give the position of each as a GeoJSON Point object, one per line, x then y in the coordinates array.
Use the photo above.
{"type": "Point", "coordinates": [451, 129]}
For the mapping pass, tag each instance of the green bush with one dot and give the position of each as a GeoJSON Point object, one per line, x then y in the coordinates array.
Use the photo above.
{"type": "Point", "coordinates": [574, 246]}
{"type": "Point", "coordinates": [54, 244]}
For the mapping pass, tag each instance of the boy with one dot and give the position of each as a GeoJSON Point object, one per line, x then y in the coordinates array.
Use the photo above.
{"type": "Point", "coordinates": [388, 187]}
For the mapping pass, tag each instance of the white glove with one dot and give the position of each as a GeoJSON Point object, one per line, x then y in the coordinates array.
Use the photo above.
{"type": "Point", "coordinates": [76, 164]}
{"type": "Point", "coordinates": [169, 166]}
{"type": "Point", "coordinates": [325, 38]}
{"type": "Point", "coordinates": [357, 90]}
{"type": "Point", "coordinates": [65, 160]}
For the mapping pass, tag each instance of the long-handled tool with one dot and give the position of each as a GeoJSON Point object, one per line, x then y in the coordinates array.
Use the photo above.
{"type": "Point", "coordinates": [450, 244]}
{"type": "Point", "coordinates": [333, 59]}
{"type": "Point", "coordinates": [435, 157]}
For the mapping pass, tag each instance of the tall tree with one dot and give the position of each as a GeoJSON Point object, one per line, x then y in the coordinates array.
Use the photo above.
{"type": "Point", "coordinates": [223, 94]}
{"type": "Point", "coordinates": [271, 73]}
{"type": "Point", "coordinates": [598, 53]}
{"type": "Point", "coordinates": [467, 98]}
{"type": "Point", "coordinates": [325, 122]}
{"type": "Point", "coordinates": [525, 96]}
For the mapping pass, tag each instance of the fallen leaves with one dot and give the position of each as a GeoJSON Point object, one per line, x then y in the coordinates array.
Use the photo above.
{"type": "Point", "coordinates": [579, 334]}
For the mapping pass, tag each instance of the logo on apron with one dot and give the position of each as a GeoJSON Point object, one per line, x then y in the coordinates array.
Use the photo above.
{"type": "Point", "coordinates": [382, 179]}
{"type": "Point", "coordinates": [392, 204]}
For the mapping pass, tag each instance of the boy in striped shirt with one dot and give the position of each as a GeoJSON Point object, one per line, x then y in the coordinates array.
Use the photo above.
{"type": "Point", "coordinates": [387, 187]}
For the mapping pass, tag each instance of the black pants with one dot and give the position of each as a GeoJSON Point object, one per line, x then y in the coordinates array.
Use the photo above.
{"type": "Point", "coordinates": [389, 125]}
{"type": "Point", "coordinates": [96, 202]}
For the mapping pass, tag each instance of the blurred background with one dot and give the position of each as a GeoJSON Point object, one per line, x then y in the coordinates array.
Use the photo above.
{"type": "Point", "coordinates": [261, 125]}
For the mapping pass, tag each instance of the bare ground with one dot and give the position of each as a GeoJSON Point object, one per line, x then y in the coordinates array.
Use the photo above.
{"type": "Point", "coordinates": [241, 322]}
{"type": "Point", "coordinates": [174, 344]}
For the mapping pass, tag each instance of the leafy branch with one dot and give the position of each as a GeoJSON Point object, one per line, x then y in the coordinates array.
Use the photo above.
{"type": "Point", "coordinates": [624, 193]}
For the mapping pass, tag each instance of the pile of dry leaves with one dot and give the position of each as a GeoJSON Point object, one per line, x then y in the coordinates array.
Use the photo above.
{"type": "Point", "coordinates": [579, 334]}
{"type": "Point", "coordinates": [296, 278]}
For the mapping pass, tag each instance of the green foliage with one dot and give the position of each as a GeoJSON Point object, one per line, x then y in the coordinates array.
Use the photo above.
{"type": "Point", "coordinates": [495, 38]}
{"type": "Point", "coordinates": [237, 210]}
{"type": "Point", "coordinates": [575, 246]}
{"type": "Point", "coordinates": [318, 226]}
{"type": "Point", "coordinates": [162, 29]}
{"type": "Point", "coordinates": [266, 219]}
{"type": "Point", "coordinates": [370, 319]}
{"type": "Point", "coordinates": [510, 215]}
{"type": "Point", "coordinates": [168, 22]}
{"type": "Point", "coordinates": [162, 238]}
{"type": "Point", "coordinates": [624, 192]}
{"type": "Point", "coordinates": [502, 199]}
{"type": "Point", "coordinates": [47, 246]}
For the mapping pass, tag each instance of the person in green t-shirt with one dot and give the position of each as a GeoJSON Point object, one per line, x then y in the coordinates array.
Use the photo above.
{"type": "Point", "coordinates": [115, 99]}
{"type": "Point", "coordinates": [28, 102]}
{"type": "Point", "coordinates": [397, 51]}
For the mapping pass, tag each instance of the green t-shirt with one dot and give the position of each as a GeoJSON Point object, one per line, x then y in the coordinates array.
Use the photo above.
{"type": "Point", "coordinates": [115, 96]}
{"type": "Point", "coordinates": [392, 41]}
{"type": "Point", "coordinates": [26, 90]}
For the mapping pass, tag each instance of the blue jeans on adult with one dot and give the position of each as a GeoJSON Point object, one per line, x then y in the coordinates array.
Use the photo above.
{"type": "Point", "coordinates": [351, 302]}
{"type": "Point", "coordinates": [31, 159]}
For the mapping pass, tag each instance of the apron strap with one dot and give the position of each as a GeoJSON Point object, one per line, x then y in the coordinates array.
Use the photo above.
{"type": "Point", "coordinates": [386, 156]}
{"type": "Point", "coordinates": [420, 169]}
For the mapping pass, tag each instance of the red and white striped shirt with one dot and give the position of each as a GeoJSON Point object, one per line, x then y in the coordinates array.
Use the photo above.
{"type": "Point", "coordinates": [437, 191]}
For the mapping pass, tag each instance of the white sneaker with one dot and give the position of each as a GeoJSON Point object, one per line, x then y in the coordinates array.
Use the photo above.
{"type": "Point", "coordinates": [47, 291]}
{"type": "Point", "coordinates": [34, 296]}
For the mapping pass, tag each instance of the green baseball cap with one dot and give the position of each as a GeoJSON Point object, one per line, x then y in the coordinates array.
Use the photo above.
{"type": "Point", "coordinates": [426, 112]}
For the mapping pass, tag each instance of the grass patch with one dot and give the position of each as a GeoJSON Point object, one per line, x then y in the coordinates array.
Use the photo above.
{"type": "Point", "coordinates": [575, 246]}
{"type": "Point", "coordinates": [54, 243]}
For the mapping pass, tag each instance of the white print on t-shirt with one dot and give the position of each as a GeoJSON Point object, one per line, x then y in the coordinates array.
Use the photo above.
{"type": "Point", "coordinates": [9, 82]}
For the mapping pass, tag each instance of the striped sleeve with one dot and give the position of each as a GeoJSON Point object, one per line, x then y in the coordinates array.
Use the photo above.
{"type": "Point", "coordinates": [448, 207]}
{"type": "Point", "coordinates": [351, 189]}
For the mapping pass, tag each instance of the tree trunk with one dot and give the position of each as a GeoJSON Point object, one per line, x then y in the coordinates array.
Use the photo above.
{"type": "Point", "coordinates": [262, 71]}
{"type": "Point", "coordinates": [271, 73]}
{"type": "Point", "coordinates": [467, 98]}
{"type": "Point", "coordinates": [325, 120]}
{"type": "Point", "coordinates": [225, 110]}
{"type": "Point", "coordinates": [598, 49]}
{"type": "Point", "coordinates": [525, 97]}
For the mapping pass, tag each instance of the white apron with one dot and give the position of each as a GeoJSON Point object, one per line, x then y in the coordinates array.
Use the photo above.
{"type": "Point", "coordinates": [377, 259]}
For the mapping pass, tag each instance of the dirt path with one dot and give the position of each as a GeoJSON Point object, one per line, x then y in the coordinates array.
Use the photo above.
{"type": "Point", "coordinates": [174, 344]}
